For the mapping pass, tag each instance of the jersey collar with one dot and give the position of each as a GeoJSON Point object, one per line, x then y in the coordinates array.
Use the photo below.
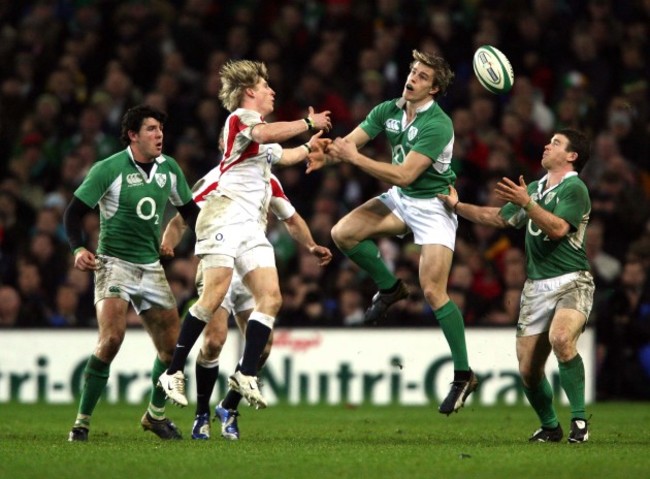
{"type": "Point", "coordinates": [542, 183]}
{"type": "Point", "coordinates": [402, 102]}
{"type": "Point", "coordinates": [160, 159]}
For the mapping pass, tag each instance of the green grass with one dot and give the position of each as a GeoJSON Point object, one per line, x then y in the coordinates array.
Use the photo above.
{"type": "Point", "coordinates": [325, 442]}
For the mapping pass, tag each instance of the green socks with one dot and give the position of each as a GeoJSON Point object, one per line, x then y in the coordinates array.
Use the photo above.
{"type": "Point", "coordinates": [96, 377]}
{"type": "Point", "coordinates": [541, 399]}
{"type": "Point", "coordinates": [451, 321]}
{"type": "Point", "coordinates": [157, 402]}
{"type": "Point", "coordinates": [572, 380]}
{"type": "Point", "coordinates": [366, 255]}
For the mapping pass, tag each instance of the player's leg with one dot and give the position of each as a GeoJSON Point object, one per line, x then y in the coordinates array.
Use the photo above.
{"type": "Point", "coordinates": [532, 353]}
{"type": "Point", "coordinates": [111, 321]}
{"type": "Point", "coordinates": [163, 325]}
{"type": "Point", "coordinates": [353, 235]}
{"type": "Point", "coordinates": [216, 277]}
{"type": "Point", "coordinates": [227, 409]}
{"type": "Point", "coordinates": [435, 264]}
{"type": "Point", "coordinates": [565, 330]}
{"type": "Point", "coordinates": [264, 286]}
{"type": "Point", "coordinates": [207, 370]}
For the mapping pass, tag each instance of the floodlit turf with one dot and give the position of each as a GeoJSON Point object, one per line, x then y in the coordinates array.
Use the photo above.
{"type": "Point", "coordinates": [325, 442]}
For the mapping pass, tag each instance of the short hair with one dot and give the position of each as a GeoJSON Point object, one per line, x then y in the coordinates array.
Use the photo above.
{"type": "Point", "coordinates": [133, 118]}
{"type": "Point", "coordinates": [579, 144]}
{"type": "Point", "coordinates": [443, 76]}
{"type": "Point", "coordinates": [236, 77]}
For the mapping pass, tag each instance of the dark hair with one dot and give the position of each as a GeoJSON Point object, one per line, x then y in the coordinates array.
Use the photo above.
{"type": "Point", "coordinates": [579, 144]}
{"type": "Point", "coordinates": [133, 118]}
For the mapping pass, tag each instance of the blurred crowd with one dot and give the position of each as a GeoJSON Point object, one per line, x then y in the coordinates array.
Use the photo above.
{"type": "Point", "coordinates": [70, 68]}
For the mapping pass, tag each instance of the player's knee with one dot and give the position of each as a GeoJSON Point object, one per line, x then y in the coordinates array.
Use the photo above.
{"type": "Point", "coordinates": [212, 346]}
{"type": "Point", "coordinates": [206, 359]}
{"type": "Point", "coordinates": [270, 304]}
{"type": "Point", "coordinates": [341, 236]}
{"type": "Point", "coordinates": [435, 295]}
{"type": "Point", "coordinates": [109, 344]}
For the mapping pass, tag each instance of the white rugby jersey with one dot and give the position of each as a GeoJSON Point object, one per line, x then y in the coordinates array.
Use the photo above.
{"type": "Point", "coordinates": [279, 203]}
{"type": "Point", "coordinates": [245, 170]}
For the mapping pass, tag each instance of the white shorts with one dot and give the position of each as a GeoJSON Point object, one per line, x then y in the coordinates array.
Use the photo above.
{"type": "Point", "coordinates": [238, 297]}
{"type": "Point", "coordinates": [541, 298]}
{"type": "Point", "coordinates": [428, 218]}
{"type": "Point", "coordinates": [224, 240]}
{"type": "Point", "coordinates": [143, 285]}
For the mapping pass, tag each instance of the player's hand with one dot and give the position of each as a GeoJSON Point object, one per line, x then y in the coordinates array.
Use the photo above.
{"type": "Point", "coordinates": [166, 250]}
{"type": "Point", "coordinates": [321, 121]}
{"type": "Point", "coordinates": [450, 200]}
{"type": "Point", "coordinates": [323, 254]}
{"type": "Point", "coordinates": [510, 191]}
{"type": "Point", "coordinates": [85, 260]}
{"type": "Point", "coordinates": [342, 150]}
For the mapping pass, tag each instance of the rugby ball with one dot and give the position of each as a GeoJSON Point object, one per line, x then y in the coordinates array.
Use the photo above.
{"type": "Point", "coordinates": [493, 70]}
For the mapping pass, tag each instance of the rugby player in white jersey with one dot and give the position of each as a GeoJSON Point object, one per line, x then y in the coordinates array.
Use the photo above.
{"type": "Point", "coordinates": [230, 229]}
{"type": "Point", "coordinates": [238, 301]}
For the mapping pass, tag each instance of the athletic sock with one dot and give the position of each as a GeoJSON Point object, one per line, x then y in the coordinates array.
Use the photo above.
{"type": "Point", "coordinates": [541, 399]}
{"type": "Point", "coordinates": [451, 322]}
{"type": "Point", "coordinates": [572, 380]}
{"type": "Point", "coordinates": [190, 332]}
{"type": "Point", "coordinates": [157, 399]}
{"type": "Point", "coordinates": [95, 378]}
{"type": "Point", "coordinates": [366, 255]}
{"type": "Point", "coordinates": [257, 335]}
{"type": "Point", "coordinates": [206, 378]}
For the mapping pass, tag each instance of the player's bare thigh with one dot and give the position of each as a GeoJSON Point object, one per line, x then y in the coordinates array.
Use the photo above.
{"type": "Point", "coordinates": [370, 220]}
{"type": "Point", "coordinates": [216, 281]}
{"type": "Point", "coordinates": [111, 320]}
{"type": "Point", "coordinates": [163, 325]}
{"type": "Point", "coordinates": [435, 264]}
{"type": "Point", "coordinates": [265, 288]}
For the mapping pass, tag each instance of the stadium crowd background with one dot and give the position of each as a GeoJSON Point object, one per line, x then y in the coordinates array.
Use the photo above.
{"type": "Point", "coordinates": [69, 70]}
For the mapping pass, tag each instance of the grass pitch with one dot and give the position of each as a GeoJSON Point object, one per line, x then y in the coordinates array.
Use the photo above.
{"type": "Point", "coordinates": [325, 442]}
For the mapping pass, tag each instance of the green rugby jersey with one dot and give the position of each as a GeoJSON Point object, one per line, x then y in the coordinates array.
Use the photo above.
{"type": "Point", "coordinates": [132, 205]}
{"type": "Point", "coordinates": [431, 133]}
{"type": "Point", "coordinates": [570, 201]}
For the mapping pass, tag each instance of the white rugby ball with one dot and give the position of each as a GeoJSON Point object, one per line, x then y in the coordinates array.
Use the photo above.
{"type": "Point", "coordinates": [493, 70]}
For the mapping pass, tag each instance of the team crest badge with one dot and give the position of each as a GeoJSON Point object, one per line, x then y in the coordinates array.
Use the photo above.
{"type": "Point", "coordinates": [161, 179]}
{"type": "Point", "coordinates": [412, 133]}
{"type": "Point", "coordinates": [548, 198]}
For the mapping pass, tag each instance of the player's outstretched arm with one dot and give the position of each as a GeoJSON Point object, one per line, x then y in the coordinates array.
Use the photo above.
{"type": "Point", "coordinates": [280, 131]}
{"type": "Point", "coordinates": [299, 231]}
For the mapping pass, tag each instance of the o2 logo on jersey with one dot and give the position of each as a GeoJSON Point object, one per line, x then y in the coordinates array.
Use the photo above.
{"type": "Point", "coordinates": [393, 125]}
{"type": "Point", "coordinates": [218, 238]}
{"type": "Point", "coordinates": [161, 179]}
{"type": "Point", "coordinates": [134, 179]}
{"type": "Point", "coordinates": [269, 155]}
{"type": "Point", "coordinates": [413, 131]}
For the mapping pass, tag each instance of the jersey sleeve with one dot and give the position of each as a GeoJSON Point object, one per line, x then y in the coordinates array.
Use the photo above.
{"type": "Point", "coordinates": [95, 184]}
{"type": "Point", "coordinates": [573, 204]}
{"type": "Point", "coordinates": [373, 124]}
{"type": "Point", "coordinates": [280, 204]}
{"type": "Point", "coordinates": [180, 193]}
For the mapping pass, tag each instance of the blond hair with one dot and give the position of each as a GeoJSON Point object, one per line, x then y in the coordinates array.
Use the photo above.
{"type": "Point", "coordinates": [443, 75]}
{"type": "Point", "coordinates": [236, 77]}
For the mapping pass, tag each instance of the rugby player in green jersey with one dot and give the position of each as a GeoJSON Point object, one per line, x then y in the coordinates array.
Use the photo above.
{"type": "Point", "coordinates": [421, 136]}
{"type": "Point", "coordinates": [558, 293]}
{"type": "Point", "coordinates": [132, 189]}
